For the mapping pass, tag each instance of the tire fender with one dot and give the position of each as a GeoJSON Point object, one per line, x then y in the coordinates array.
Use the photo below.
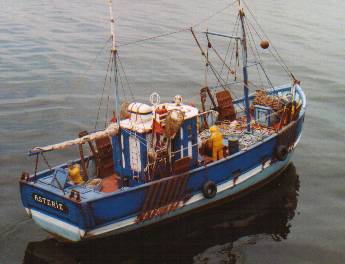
{"type": "Point", "coordinates": [282, 152]}
{"type": "Point", "coordinates": [209, 189]}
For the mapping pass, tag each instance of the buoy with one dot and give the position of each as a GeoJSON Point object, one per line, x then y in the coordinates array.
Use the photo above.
{"type": "Point", "coordinates": [74, 173]}
{"type": "Point", "coordinates": [264, 44]}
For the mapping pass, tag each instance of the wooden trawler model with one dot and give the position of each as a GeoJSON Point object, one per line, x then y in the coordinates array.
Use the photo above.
{"type": "Point", "coordinates": [154, 162]}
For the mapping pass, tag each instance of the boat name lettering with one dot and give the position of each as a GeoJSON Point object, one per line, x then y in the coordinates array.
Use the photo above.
{"type": "Point", "coordinates": [50, 203]}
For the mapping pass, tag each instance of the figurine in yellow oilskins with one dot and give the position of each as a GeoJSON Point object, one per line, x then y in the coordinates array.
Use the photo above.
{"type": "Point", "coordinates": [74, 173]}
{"type": "Point", "coordinates": [217, 143]}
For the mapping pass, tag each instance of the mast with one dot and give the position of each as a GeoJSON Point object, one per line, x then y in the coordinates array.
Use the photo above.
{"type": "Point", "coordinates": [112, 26]}
{"type": "Point", "coordinates": [114, 61]}
{"type": "Point", "coordinates": [244, 65]}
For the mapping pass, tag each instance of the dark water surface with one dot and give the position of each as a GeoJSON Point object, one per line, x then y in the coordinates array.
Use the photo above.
{"type": "Point", "coordinates": [49, 92]}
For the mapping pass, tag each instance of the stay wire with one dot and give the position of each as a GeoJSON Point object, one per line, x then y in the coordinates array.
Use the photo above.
{"type": "Point", "coordinates": [270, 51]}
{"type": "Point", "coordinates": [101, 99]}
{"type": "Point", "coordinates": [184, 29]}
{"type": "Point", "coordinates": [233, 48]}
{"type": "Point", "coordinates": [93, 62]}
{"type": "Point", "coordinates": [282, 62]}
{"type": "Point", "coordinates": [124, 72]}
{"type": "Point", "coordinates": [107, 109]}
{"type": "Point", "coordinates": [230, 42]}
{"type": "Point", "coordinates": [255, 52]}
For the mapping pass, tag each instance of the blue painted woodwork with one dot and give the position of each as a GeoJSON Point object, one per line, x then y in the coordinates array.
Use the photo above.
{"type": "Point", "coordinates": [263, 115]}
{"type": "Point", "coordinates": [98, 209]}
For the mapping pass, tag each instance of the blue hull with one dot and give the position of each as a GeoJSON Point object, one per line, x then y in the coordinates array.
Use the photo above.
{"type": "Point", "coordinates": [108, 214]}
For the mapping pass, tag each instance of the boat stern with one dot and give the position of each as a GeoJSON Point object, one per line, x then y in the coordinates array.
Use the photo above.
{"type": "Point", "coordinates": [55, 213]}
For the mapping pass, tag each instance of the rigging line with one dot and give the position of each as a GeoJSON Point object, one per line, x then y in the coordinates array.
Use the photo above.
{"type": "Point", "coordinates": [100, 100]}
{"type": "Point", "coordinates": [179, 30]}
{"type": "Point", "coordinates": [117, 99]}
{"type": "Point", "coordinates": [129, 87]}
{"type": "Point", "coordinates": [250, 25]}
{"type": "Point", "coordinates": [141, 140]}
{"type": "Point", "coordinates": [270, 51]}
{"type": "Point", "coordinates": [256, 54]}
{"type": "Point", "coordinates": [107, 109]}
{"type": "Point", "coordinates": [277, 53]}
{"type": "Point", "coordinates": [228, 48]}
{"type": "Point", "coordinates": [124, 73]}
{"type": "Point", "coordinates": [93, 62]}
{"type": "Point", "coordinates": [215, 73]}
{"type": "Point", "coordinates": [233, 52]}
{"type": "Point", "coordinates": [220, 80]}
{"type": "Point", "coordinates": [221, 59]}
{"type": "Point", "coordinates": [122, 87]}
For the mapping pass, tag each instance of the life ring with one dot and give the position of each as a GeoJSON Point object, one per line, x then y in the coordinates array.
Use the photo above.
{"type": "Point", "coordinates": [282, 152]}
{"type": "Point", "coordinates": [209, 189]}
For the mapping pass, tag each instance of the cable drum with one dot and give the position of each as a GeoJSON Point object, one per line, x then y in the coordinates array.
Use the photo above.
{"type": "Point", "coordinates": [173, 122]}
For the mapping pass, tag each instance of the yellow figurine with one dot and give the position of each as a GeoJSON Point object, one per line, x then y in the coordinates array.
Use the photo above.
{"type": "Point", "coordinates": [217, 143]}
{"type": "Point", "coordinates": [74, 173]}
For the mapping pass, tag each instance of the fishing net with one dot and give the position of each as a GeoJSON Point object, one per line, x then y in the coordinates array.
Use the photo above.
{"type": "Point", "coordinates": [124, 114]}
{"type": "Point", "coordinates": [173, 122]}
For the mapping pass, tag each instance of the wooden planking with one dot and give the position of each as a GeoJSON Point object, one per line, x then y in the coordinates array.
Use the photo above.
{"type": "Point", "coordinates": [164, 197]}
{"type": "Point", "coordinates": [225, 106]}
{"type": "Point", "coordinates": [105, 154]}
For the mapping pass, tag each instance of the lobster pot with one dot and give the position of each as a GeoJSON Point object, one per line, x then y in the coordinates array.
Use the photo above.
{"type": "Point", "coordinates": [233, 145]}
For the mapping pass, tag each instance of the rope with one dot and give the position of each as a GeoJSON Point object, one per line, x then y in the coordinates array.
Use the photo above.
{"type": "Point", "coordinates": [46, 161]}
{"type": "Point", "coordinates": [143, 141]}
{"type": "Point", "coordinates": [124, 72]}
{"type": "Point", "coordinates": [258, 55]}
{"type": "Point", "coordinates": [106, 112]}
{"type": "Point", "coordinates": [93, 62]}
{"type": "Point", "coordinates": [280, 59]}
{"type": "Point", "coordinates": [228, 48]}
{"type": "Point", "coordinates": [183, 29]}
{"type": "Point", "coordinates": [217, 75]}
{"type": "Point", "coordinates": [100, 100]}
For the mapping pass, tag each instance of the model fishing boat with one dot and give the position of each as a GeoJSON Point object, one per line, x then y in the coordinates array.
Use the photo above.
{"type": "Point", "coordinates": [156, 161]}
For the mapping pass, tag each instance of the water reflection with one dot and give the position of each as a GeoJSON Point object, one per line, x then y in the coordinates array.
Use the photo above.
{"type": "Point", "coordinates": [266, 211]}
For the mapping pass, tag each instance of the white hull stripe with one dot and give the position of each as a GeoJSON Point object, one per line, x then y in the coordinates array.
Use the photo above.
{"type": "Point", "coordinates": [74, 233]}
{"type": "Point", "coordinates": [194, 199]}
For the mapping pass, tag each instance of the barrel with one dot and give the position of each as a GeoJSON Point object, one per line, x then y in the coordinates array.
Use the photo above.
{"type": "Point", "coordinates": [233, 145]}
